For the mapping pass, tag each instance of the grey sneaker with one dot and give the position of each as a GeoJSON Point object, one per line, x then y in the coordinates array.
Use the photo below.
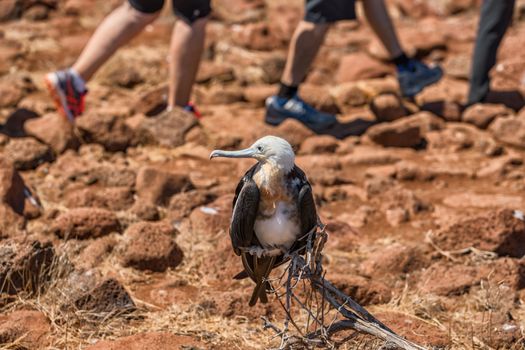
{"type": "Point", "coordinates": [279, 109]}
{"type": "Point", "coordinates": [416, 76]}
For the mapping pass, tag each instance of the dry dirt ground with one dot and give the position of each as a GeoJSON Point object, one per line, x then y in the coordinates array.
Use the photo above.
{"type": "Point", "coordinates": [114, 233]}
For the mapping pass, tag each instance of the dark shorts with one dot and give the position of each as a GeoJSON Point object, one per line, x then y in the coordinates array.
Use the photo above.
{"type": "Point", "coordinates": [187, 10]}
{"type": "Point", "coordinates": [329, 11]}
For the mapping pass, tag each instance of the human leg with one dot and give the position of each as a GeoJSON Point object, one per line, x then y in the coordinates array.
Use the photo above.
{"type": "Point", "coordinates": [413, 75]}
{"type": "Point", "coordinates": [118, 28]}
{"type": "Point", "coordinates": [306, 41]}
{"type": "Point", "coordinates": [67, 87]}
{"type": "Point", "coordinates": [187, 44]}
{"type": "Point", "coordinates": [495, 18]}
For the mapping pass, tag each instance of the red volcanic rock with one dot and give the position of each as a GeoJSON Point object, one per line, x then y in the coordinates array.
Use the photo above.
{"type": "Point", "coordinates": [145, 211]}
{"type": "Point", "coordinates": [394, 259]}
{"type": "Point", "coordinates": [239, 11]}
{"type": "Point", "coordinates": [54, 130]}
{"type": "Point", "coordinates": [450, 7]}
{"type": "Point", "coordinates": [210, 71]}
{"type": "Point", "coordinates": [255, 36]}
{"type": "Point", "coordinates": [151, 246]}
{"type": "Point", "coordinates": [448, 110]}
{"type": "Point", "coordinates": [319, 144]}
{"type": "Point", "coordinates": [213, 217]}
{"type": "Point", "coordinates": [294, 132]}
{"type": "Point", "coordinates": [502, 232]}
{"type": "Point", "coordinates": [28, 329]}
{"type": "Point", "coordinates": [111, 198]}
{"type": "Point", "coordinates": [95, 253]}
{"type": "Point", "coordinates": [8, 10]}
{"type": "Point", "coordinates": [148, 341]}
{"type": "Point", "coordinates": [285, 17]}
{"type": "Point", "coordinates": [358, 66]}
{"type": "Point", "coordinates": [400, 133]}
{"type": "Point", "coordinates": [221, 95]}
{"type": "Point", "coordinates": [27, 153]}
{"type": "Point", "coordinates": [349, 95]}
{"type": "Point", "coordinates": [121, 73]}
{"type": "Point", "coordinates": [363, 290]}
{"type": "Point", "coordinates": [110, 176]}
{"type": "Point", "coordinates": [30, 9]}
{"type": "Point", "coordinates": [388, 107]}
{"type": "Point", "coordinates": [108, 130]}
{"type": "Point", "coordinates": [152, 101]}
{"type": "Point", "coordinates": [182, 204]}
{"type": "Point", "coordinates": [11, 187]}
{"type": "Point", "coordinates": [319, 97]}
{"type": "Point", "coordinates": [156, 186]}
{"type": "Point", "coordinates": [510, 130]}
{"type": "Point", "coordinates": [414, 329]}
{"type": "Point", "coordinates": [405, 132]}
{"type": "Point", "coordinates": [13, 87]}
{"type": "Point", "coordinates": [85, 223]}
{"type": "Point", "coordinates": [9, 95]}
{"type": "Point", "coordinates": [257, 94]}
{"type": "Point", "coordinates": [482, 115]}
{"type": "Point", "coordinates": [165, 129]}
{"type": "Point", "coordinates": [24, 265]}
{"type": "Point", "coordinates": [12, 199]}
{"type": "Point", "coordinates": [461, 278]}
{"type": "Point", "coordinates": [107, 297]}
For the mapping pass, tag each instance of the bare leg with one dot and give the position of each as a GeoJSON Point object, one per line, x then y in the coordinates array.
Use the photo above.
{"type": "Point", "coordinates": [187, 43]}
{"type": "Point", "coordinates": [380, 21]}
{"type": "Point", "coordinates": [306, 41]}
{"type": "Point", "coordinates": [117, 29]}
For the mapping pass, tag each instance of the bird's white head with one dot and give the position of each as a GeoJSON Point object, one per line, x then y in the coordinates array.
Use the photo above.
{"type": "Point", "coordinates": [269, 149]}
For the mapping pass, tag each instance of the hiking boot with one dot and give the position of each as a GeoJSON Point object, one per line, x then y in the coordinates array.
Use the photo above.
{"type": "Point", "coordinates": [279, 109]}
{"type": "Point", "coordinates": [68, 100]}
{"type": "Point", "coordinates": [415, 76]}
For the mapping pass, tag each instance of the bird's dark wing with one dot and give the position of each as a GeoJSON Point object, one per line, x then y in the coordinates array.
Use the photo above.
{"type": "Point", "coordinates": [308, 213]}
{"type": "Point", "coordinates": [245, 207]}
{"type": "Point", "coordinates": [306, 208]}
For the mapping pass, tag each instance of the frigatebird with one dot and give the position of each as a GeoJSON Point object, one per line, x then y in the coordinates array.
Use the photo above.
{"type": "Point", "coordinates": [273, 211]}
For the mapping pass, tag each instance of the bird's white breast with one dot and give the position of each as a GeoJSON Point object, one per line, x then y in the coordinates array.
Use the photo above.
{"type": "Point", "coordinates": [280, 230]}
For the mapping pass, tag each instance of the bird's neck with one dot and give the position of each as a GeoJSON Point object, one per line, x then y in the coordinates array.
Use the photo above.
{"type": "Point", "coordinates": [270, 179]}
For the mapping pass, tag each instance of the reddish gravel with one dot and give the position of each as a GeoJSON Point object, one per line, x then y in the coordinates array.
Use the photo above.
{"type": "Point", "coordinates": [113, 233]}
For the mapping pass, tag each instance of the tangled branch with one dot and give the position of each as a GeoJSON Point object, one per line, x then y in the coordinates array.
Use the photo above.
{"type": "Point", "coordinates": [316, 311]}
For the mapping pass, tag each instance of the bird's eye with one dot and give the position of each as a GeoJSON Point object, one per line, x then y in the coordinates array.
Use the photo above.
{"type": "Point", "coordinates": [259, 148]}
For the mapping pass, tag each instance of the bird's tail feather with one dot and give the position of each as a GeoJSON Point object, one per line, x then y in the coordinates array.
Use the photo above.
{"type": "Point", "coordinates": [262, 269]}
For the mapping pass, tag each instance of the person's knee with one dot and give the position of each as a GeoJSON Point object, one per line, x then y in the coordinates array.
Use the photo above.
{"type": "Point", "coordinates": [140, 17]}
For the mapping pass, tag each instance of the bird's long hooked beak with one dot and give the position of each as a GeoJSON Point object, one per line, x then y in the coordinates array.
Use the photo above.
{"type": "Point", "coordinates": [245, 153]}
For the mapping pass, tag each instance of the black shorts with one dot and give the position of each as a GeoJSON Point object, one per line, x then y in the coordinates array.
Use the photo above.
{"type": "Point", "coordinates": [187, 10]}
{"type": "Point", "coordinates": [329, 11]}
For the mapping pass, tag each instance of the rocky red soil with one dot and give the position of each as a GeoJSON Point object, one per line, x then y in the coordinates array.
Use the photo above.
{"type": "Point", "coordinates": [423, 200]}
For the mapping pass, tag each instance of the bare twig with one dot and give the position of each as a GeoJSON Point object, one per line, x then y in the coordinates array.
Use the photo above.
{"type": "Point", "coordinates": [317, 309]}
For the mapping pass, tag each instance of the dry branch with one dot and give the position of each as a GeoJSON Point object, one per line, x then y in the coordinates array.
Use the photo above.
{"type": "Point", "coordinates": [317, 310]}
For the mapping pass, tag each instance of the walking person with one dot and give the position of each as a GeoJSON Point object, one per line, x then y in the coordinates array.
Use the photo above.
{"type": "Point", "coordinates": [320, 15]}
{"type": "Point", "coordinates": [68, 87]}
{"type": "Point", "coordinates": [495, 18]}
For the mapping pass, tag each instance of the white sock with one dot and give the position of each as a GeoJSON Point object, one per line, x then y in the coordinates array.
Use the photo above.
{"type": "Point", "coordinates": [78, 82]}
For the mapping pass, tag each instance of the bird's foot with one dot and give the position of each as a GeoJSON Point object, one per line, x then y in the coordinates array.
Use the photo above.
{"type": "Point", "coordinates": [260, 251]}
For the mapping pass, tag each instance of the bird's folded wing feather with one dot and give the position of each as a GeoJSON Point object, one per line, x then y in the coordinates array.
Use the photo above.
{"type": "Point", "coordinates": [245, 210]}
{"type": "Point", "coordinates": [308, 213]}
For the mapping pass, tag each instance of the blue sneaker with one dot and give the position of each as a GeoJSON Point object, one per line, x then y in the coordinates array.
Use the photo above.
{"type": "Point", "coordinates": [416, 76]}
{"type": "Point", "coordinates": [279, 109]}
